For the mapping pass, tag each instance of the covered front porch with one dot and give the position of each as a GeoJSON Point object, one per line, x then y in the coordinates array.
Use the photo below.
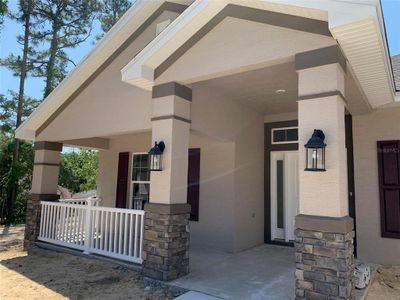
{"type": "Point", "coordinates": [234, 170]}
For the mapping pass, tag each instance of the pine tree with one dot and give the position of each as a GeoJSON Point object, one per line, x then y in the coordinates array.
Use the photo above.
{"type": "Point", "coordinates": [16, 104]}
{"type": "Point", "coordinates": [64, 24]}
{"type": "Point", "coordinates": [3, 11]}
{"type": "Point", "coordinates": [110, 12]}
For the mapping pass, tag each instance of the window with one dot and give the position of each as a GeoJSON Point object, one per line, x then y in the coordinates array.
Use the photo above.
{"type": "Point", "coordinates": [140, 182]}
{"type": "Point", "coordinates": [284, 135]}
{"type": "Point", "coordinates": [389, 187]}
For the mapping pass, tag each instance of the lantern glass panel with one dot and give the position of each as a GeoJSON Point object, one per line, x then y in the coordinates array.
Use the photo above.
{"type": "Point", "coordinates": [155, 162]}
{"type": "Point", "coordinates": [316, 159]}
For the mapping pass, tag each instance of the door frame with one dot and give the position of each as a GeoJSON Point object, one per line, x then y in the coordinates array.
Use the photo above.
{"type": "Point", "coordinates": [282, 234]}
{"type": "Point", "coordinates": [269, 147]}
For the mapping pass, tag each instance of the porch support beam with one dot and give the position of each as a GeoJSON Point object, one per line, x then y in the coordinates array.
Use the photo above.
{"type": "Point", "coordinates": [166, 237]}
{"type": "Point", "coordinates": [44, 184]}
{"type": "Point", "coordinates": [324, 231]}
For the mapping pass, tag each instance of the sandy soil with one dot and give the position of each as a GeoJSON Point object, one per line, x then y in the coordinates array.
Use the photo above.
{"type": "Point", "coordinates": [44, 274]}
{"type": "Point", "coordinates": [386, 284]}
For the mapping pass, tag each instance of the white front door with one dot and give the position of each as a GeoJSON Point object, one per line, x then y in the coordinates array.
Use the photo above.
{"type": "Point", "coordinates": [284, 194]}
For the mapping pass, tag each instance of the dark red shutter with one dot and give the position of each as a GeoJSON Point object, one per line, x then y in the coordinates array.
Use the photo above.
{"type": "Point", "coordinates": [193, 191]}
{"type": "Point", "coordinates": [389, 187]}
{"type": "Point", "coordinates": [122, 179]}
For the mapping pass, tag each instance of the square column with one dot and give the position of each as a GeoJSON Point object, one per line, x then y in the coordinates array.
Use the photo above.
{"type": "Point", "coordinates": [44, 184]}
{"type": "Point", "coordinates": [166, 237]}
{"type": "Point", "coordinates": [324, 231]}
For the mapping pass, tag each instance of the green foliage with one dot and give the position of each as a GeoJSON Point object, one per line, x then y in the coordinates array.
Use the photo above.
{"type": "Point", "coordinates": [8, 111]}
{"type": "Point", "coordinates": [78, 171]}
{"type": "Point", "coordinates": [61, 24]}
{"type": "Point", "coordinates": [110, 12]}
{"type": "Point", "coordinates": [15, 175]}
{"type": "Point", "coordinates": [3, 11]}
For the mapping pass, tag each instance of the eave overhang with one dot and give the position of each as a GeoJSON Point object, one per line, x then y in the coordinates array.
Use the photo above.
{"type": "Point", "coordinates": [356, 26]}
{"type": "Point", "coordinates": [132, 21]}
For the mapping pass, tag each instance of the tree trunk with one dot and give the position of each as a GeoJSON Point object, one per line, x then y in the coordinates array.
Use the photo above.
{"type": "Point", "coordinates": [20, 105]}
{"type": "Point", "coordinates": [52, 60]}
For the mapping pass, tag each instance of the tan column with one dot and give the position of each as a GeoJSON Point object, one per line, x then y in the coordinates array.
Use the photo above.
{"type": "Point", "coordinates": [171, 124]}
{"type": "Point", "coordinates": [166, 238]}
{"type": "Point", "coordinates": [44, 184]}
{"type": "Point", "coordinates": [321, 105]}
{"type": "Point", "coordinates": [324, 232]}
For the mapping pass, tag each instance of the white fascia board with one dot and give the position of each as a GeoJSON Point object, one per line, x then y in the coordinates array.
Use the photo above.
{"type": "Point", "coordinates": [132, 19]}
{"type": "Point", "coordinates": [140, 70]}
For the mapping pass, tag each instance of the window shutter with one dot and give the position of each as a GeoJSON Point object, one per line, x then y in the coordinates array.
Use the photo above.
{"type": "Point", "coordinates": [193, 190]}
{"type": "Point", "coordinates": [389, 187]}
{"type": "Point", "coordinates": [122, 180]}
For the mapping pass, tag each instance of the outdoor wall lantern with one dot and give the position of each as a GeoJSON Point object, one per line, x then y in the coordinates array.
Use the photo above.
{"type": "Point", "coordinates": [155, 156]}
{"type": "Point", "coordinates": [315, 152]}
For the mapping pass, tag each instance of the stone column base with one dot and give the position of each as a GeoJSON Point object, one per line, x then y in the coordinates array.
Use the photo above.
{"type": "Point", "coordinates": [33, 210]}
{"type": "Point", "coordinates": [324, 257]}
{"type": "Point", "coordinates": [166, 241]}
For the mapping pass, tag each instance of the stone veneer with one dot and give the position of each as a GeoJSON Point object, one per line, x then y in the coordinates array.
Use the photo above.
{"type": "Point", "coordinates": [166, 241]}
{"type": "Point", "coordinates": [324, 258]}
{"type": "Point", "coordinates": [33, 211]}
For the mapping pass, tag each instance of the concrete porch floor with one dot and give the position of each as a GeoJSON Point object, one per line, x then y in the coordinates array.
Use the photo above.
{"type": "Point", "coordinates": [263, 272]}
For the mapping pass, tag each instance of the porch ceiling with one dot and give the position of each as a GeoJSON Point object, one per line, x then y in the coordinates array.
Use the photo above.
{"type": "Point", "coordinates": [258, 89]}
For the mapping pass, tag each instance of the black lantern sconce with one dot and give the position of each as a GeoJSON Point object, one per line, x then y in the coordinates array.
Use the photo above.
{"type": "Point", "coordinates": [155, 156]}
{"type": "Point", "coordinates": [315, 152]}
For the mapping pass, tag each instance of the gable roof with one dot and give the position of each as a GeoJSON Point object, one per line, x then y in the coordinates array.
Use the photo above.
{"type": "Point", "coordinates": [356, 26]}
{"type": "Point", "coordinates": [131, 24]}
{"type": "Point", "coordinates": [396, 70]}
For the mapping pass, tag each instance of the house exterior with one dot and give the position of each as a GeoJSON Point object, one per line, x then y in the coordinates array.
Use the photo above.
{"type": "Point", "coordinates": [235, 89]}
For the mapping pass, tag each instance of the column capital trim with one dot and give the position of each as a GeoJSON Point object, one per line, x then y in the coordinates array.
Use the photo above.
{"type": "Point", "coordinates": [170, 117]}
{"type": "Point", "coordinates": [322, 95]}
{"type": "Point", "coordinates": [172, 89]}
{"type": "Point", "coordinates": [52, 146]}
{"type": "Point", "coordinates": [44, 197]}
{"type": "Point", "coordinates": [167, 209]}
{"type": "Point", "coordinates": [46, 164]}
{"type": "Point", "coordinates": [324, 224]}
{"type": "Point", "coordinates": [320, 57]}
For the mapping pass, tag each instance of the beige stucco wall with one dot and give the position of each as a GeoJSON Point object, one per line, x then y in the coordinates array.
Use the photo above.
{"type": "Point", "coordinates": [215, 225]}
{"type": "Point", "coordinates": [108, 163]}
{"type": "Point", "coordinates": [380, 125]}
{"type": "Point", "coordinates": [231, 140]}
{"type": "Point", "coordinates": [91, 115]}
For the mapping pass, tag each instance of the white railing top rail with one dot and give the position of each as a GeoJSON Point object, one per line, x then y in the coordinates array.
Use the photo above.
{"type": "Point", "coordinates": [95, 201]}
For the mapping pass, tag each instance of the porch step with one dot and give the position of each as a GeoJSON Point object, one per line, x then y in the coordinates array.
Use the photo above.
{"type": "Point", "coordinates": [196, 296]}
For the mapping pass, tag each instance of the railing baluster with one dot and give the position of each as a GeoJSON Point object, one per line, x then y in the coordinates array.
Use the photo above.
{"type": "Point", "coordinates": [121, 217]}
{"type": "Point", "coordinates": [97, 228]}
{"type": "Point", "coordinates": [130, 234]}
{"type": "Point", "coordinates": [136, 235]}
{"type": "Point", "coordinates": [141, 235]}
{"type": "Point", "coordinates": [126, 234]}
{"type": "Point", "coordinates": [115, 232]}
{"type": "Point", "coordinates": [106, 233]}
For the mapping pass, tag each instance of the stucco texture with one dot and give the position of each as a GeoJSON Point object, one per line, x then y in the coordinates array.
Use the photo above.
{"type": "Point", "coordinates": [380, 125]}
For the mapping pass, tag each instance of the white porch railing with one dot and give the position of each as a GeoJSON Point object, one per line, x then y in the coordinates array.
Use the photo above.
{"type": "Point", "coordinates": [82, 201]}
{"type": "Point", "coordinates": [113, 232]}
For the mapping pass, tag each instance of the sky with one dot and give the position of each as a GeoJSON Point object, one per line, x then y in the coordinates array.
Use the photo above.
{"type": "Point", "coordinates": [34, 86]}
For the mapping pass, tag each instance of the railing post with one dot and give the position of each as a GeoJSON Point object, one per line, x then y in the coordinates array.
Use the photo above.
{"type": "Point", "coordinates": [88, 225]}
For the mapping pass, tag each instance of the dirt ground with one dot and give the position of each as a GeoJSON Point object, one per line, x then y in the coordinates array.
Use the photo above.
{"type": "Point", "coordinates": [45, 274]}
{"type": "Point", "coordinates": [386, 284]}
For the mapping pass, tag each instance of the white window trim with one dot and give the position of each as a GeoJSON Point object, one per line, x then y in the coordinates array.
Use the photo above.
{"type": "Point", "coordinates": [282, 128]}
{"type": "Point", "coordinates": [132, 182]}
